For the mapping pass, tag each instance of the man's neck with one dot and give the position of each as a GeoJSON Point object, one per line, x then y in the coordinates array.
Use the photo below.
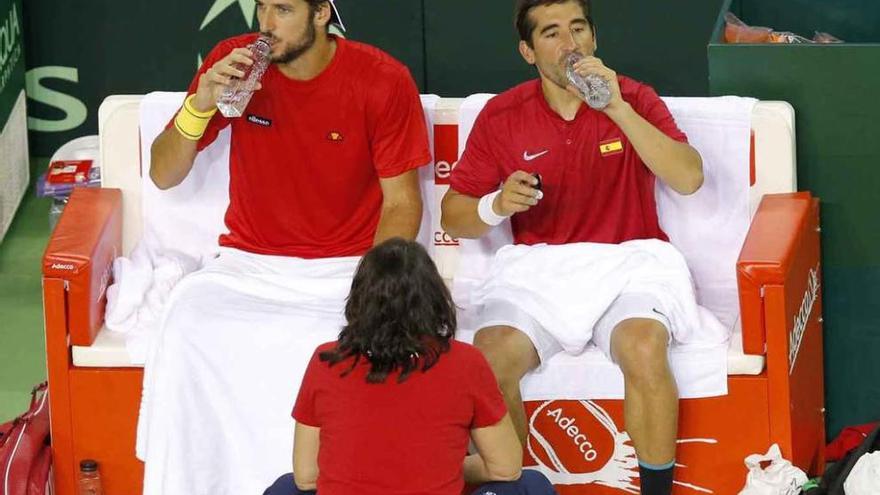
{"type": "Point", "coordinates": [560, 100]}
{"type": "Point", "coordinates": [311, 63]}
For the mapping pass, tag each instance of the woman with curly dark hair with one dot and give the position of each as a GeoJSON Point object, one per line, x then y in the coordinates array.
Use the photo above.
{"type": "Point", "coordinates": [391, 405]}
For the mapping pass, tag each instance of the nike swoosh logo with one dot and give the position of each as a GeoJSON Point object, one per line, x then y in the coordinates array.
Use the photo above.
{"type": "Point", "coordinates": [527, 157]}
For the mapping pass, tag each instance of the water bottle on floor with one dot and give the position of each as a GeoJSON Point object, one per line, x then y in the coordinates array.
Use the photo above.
{"type": "Point", "coordinates": [89, 478]}
{"type": "Point", "coordinates": [594, 88]}
{"type": "Point", "coordinates": [237, 95]}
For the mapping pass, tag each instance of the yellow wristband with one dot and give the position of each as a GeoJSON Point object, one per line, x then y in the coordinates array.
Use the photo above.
{"type": "Point", "coordinates": [191, 123]}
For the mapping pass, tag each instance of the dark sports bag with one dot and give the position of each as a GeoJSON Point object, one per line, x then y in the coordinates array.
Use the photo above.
{"type": "Point", "coordinates": [835, 476]}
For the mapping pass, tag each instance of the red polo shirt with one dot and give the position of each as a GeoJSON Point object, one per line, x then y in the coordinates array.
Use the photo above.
{"type": "Point", "coordinates": [397, 438]}
{"type": "Point", "coordinates": [306, 158]}
{"type": "Point", "coordinates": [596, 188]}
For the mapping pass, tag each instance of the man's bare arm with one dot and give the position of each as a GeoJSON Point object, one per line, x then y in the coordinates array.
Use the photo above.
{"type": "Point", "coordinates": [460, 216]}
{"type": "Point", "coordinates": [401, 207]}
{"type": "Point", "coordinates": [172, 154]}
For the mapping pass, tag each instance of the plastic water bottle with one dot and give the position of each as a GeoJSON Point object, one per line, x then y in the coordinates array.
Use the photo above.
{"type": "Point", "coordinates": [89, 479]}
{"type": "Point", "coordinates": [594, 88]}
{"type": "Point", "coordinates": [237, 95]}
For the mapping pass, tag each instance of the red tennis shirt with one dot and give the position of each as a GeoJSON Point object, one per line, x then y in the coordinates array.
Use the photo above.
{"type": "Point", "coordinates": [596, 188]}
{"type": "Point", "coordinates": [306, 157]}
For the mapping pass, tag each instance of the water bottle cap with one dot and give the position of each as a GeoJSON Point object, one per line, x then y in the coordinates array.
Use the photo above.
{"type": "Point", "coordinates": [88, 465]}
{"type": "Point", "coordinates": [572, 58]}
{"type": "Point", "coordinates": [262, 45]}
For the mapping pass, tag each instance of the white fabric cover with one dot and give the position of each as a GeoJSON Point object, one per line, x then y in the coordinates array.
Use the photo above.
{"type": "Point", "coordinates": [707, 227]}
{"type": "Point", "coordinates": [223, 371]}
{"type": "Point", "coordinates": [567, 288]}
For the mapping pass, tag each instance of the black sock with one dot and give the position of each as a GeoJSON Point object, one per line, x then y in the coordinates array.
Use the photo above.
{"type": "Point", "coordinates": [656, 480]}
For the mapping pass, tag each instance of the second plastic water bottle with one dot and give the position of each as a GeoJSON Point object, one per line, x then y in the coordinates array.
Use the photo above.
{"type": "Point", "coordinates": [237, 95]}
{"type": "Point", "coordinates": [594, 88]}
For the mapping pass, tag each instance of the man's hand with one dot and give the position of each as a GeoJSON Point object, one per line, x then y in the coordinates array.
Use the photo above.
{"type": "Point", "coordinates": [517, 194]}
{"type": "Point", "coordinates": [593, 65]}
{"type": "Point", "coordinates": [216, 79]}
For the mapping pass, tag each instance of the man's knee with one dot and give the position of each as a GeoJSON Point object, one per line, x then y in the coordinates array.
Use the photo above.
{"type": "Point", "coordinates": [510, 352]}
{"type": "Point", "coordinates": [640, 346]}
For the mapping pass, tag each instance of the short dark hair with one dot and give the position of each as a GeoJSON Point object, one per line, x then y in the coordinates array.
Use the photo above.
{"type": "Point", "coordinates": [525, 26]}
{"type": "Point", "coordinates": [400, 314]}
{"type": "Point", "coordinates": [313, 9]}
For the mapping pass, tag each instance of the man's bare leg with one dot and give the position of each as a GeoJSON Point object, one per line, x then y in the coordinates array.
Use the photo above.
{"type": "Point", "coordinates": [511, 355]}
{"type": "Point", "coordinates": [651, 397]}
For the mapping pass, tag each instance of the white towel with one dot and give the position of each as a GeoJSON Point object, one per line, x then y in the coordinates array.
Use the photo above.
{"type": "Point", "coordinates": [223, 372]}
{"type": "Point", "coordinates": [567, 288]}
{"type": "Point", "coordinates": [710, 226]}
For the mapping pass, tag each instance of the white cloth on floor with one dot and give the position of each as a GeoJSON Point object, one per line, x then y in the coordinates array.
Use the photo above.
{"type": "Point", "coordinates": [223, 372]}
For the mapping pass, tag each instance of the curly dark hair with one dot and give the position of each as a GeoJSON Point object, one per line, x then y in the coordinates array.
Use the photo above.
{"type": "Point", "coordinates": [400, 313]}
{"type": "Point", "coordinates": [525, 25]}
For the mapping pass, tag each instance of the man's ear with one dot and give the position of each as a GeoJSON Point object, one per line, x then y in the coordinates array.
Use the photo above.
{"type": "Point", "coordinates": [527, 52]}
{"type": "Point", "coordinates": [323, 14]}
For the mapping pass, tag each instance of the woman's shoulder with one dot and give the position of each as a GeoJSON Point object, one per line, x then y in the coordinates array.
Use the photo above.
{"type": "Point", "coordinates": [325, 347]}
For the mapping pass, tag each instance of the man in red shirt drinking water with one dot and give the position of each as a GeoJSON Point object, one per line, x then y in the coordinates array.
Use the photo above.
{"type": "Point", "coordinates": [597, 171]}
{"type": "Point", "coordinates": [323, 165]}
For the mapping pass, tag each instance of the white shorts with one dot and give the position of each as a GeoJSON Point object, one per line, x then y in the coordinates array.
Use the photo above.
{"type": "Point", "coordinates": [625, 307]}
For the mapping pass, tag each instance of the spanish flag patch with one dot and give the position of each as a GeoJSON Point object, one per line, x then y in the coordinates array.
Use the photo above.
{"type": "Point", "coordinates": [611, 147]}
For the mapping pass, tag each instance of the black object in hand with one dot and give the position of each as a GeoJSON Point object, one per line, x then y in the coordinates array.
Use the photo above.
{"type": "Point", "coordinates": [539, 186]}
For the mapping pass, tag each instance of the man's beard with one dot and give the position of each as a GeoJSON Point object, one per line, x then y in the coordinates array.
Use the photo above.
{"type": "Point", "coordinates": [556, 74]}
{"type": "Point", "coordinates": [296, 51]}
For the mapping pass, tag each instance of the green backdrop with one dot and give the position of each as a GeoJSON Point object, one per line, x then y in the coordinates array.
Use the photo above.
{"type": "Point", "coordinates": [80, 52]}
{"type": "Point", "coordinates": [833, 89]}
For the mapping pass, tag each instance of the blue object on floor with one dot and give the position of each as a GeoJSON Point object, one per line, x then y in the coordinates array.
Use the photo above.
{"type": "Point", "coordinates": [530, 483]}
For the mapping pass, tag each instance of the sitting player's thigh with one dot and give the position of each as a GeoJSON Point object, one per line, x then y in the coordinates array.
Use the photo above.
{"type": "Point", "coordinates": [649, 322]}
{"type": "Point", "coordinates": [512, 341]}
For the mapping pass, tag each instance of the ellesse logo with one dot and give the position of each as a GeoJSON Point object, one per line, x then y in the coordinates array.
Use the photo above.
{"type": "Point", "coordinates": [253, 119]}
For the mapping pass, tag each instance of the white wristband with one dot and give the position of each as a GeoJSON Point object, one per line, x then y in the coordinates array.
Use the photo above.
{"type": "Point", "coordinates": [487, 214]}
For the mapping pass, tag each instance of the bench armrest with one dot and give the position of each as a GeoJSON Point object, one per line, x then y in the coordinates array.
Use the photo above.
{"type": "Point", "coordinates": [80, 252]}
{"type": "Point", "coordinates": [782, 245]}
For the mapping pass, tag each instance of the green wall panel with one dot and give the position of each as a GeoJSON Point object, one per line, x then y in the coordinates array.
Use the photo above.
{"type": "Point", "coordinates": [472, 46]}
{"type": "Point", "coordinates": [833, 89]}
{"type": "Point", "coordinates": [851, 20]}
{"type": "Point", "coordinates": [78, 53]}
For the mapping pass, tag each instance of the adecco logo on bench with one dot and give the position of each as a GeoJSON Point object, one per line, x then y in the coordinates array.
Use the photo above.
{"type": "Point", "coordinates": [799, 327]}
{"type": "Point", "coordinates": [578, 443]}
{"type": "Point", "coordinates": [445, 152]}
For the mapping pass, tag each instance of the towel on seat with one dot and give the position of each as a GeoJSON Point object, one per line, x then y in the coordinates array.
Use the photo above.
{"type": "Point", "coordinates": [224, 369]}
{"type": "Point", "coordinates": [567, 288]}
